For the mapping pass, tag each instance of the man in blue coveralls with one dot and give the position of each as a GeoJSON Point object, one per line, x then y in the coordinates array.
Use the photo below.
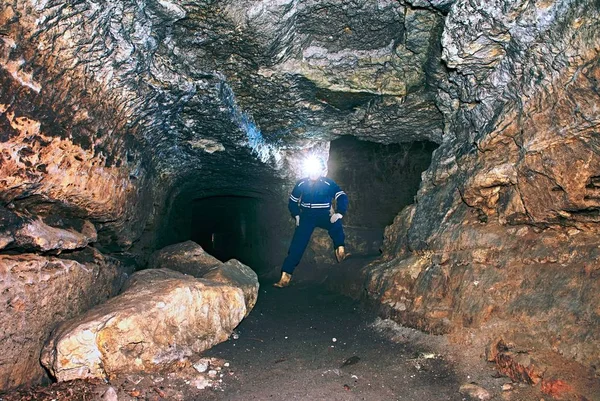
{"type": "Point", "coordinates": [311, 205]}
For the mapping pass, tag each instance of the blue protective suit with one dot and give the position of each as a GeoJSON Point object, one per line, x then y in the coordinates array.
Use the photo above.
{"type": "Point", "coordinates": [312, 201]}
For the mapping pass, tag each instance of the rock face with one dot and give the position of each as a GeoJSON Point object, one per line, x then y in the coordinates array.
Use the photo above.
{"type": "Point", "coordinates": [38, 292]}
{"type": "Point", "coordinates": [189, 258]}
{"type": "Point", "coordinates": [171, 91]}
{"type": "Point", "coordinates": [162, 317]}
{"type": "Point", "coordinates": [35, 235]}
{"type": "Point", "coordinates": [502, 239]}
{"type": "Point", "coordinates": [186, 257]}
{"type": "Point", "coordinates": [239, 275]}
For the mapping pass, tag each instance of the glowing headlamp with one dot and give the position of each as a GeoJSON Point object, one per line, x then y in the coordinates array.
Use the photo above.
{"type": "Point", "coordinates": [313, 166]}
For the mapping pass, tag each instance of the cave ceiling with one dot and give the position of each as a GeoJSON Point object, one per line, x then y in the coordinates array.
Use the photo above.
{"type": "Point", "coordinates": [108, 108]}
{"type": "Point", "coordinates": [203, 78]}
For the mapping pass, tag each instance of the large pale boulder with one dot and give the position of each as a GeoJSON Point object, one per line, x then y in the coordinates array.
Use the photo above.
{"type": "Point", "coordinates": [189, 258]}
{"type": "Point", "coordinates": [38, 291]}
{"type": "Point", "coordinates": [162, 317]}
{"type": "Point", "coordinates": [235, 273]}
{"type": "Point", "coordinates": [186, 257]}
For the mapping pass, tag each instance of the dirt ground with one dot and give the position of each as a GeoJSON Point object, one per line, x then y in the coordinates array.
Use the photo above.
{"type": "Point", "coordinates": [307, 343]}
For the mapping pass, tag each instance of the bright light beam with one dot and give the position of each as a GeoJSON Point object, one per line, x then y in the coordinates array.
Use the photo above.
{"type": "Point", "coordinates": [312, 166]}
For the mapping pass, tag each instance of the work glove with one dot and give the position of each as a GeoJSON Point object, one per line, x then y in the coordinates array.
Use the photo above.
{"type": "Point", "coordinates": [335, 217]}
{"type": "Point", "coordinates": [297, 220]}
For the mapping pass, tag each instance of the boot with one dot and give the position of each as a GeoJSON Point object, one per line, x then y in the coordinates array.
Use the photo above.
{"type": "Point", "coordinates": [340, 254]}
{"type": "Point", "coordinates": [284, 281]}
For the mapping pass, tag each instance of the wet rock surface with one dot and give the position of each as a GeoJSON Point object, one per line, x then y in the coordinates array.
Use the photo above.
{"type": "Point", "coordinates": [162, 317]}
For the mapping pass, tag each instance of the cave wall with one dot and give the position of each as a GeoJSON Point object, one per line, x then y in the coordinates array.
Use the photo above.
{"type": "Point", "coordinates": [112, 115]}
{"type": "Point", "coordinates": [380, 180]}
{"type": "Point", "coordinates": [133, 99]}
{"type": "Point", "coordinates": [502, 239]}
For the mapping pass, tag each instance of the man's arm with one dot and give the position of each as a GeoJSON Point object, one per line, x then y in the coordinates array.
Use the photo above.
{"type": "Point", "coordinates": [341, 199]}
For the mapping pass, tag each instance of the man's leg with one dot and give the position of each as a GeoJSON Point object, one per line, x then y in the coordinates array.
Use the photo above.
{"type": "Point", "coordinates": [336, 232]}
{"type": "Point", "coordinates": [299, 244]}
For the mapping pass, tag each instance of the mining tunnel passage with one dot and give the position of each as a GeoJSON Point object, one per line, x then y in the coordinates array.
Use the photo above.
{"type": "Point", "coordinates": [256, 228]}
{"type": "Point", "coordinates": [154, 156]}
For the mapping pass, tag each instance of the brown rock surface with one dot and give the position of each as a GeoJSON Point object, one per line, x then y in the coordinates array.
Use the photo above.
{"type": "Point", "coordinates": [163, 316]}
{"type": "Point", "coordinates": [34, 235]}
{"type": "Point", "coordinates": [497, 281]}
{"type": "Point", "coordinates": [502, 239]}
{"type": "Point", "coordinates": [38, 292]}
{"type": "Point", "coordinates": [237, 274]}
{"type": "Point", "coordinates": [559, 377]}
{"type": "Point", "coordinates": [119, 114]}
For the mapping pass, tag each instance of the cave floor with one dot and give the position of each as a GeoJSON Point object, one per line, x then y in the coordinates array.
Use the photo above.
{"type": "Point", "coordinates": [294, 345]}
{"type": "Point", "coordinates": [305, 342]}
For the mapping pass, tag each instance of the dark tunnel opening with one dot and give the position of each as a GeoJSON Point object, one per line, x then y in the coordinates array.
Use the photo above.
{"type": "Point", "coordinates": [231, 227]}
{"type": "Point", "coordinates": [380, 181]}
{"type": "Point", "coordinates": [240, 225]}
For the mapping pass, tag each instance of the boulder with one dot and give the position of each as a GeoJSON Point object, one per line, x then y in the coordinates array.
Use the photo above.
{"type": "Point", "coordinates": [162, 317]}
{"type": "Point", "coordinates": [189, 258]}
{"type": "Point", "coordinates": [186, 257]}
{"type": "Point", "coordinates": [235, 273]}
{"type": "Point", "coordinates": [38, 291]}
{"type": "Point", "coordinates": [474, 392]}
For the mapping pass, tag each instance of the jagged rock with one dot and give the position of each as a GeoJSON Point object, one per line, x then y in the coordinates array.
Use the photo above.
{"type": "Point", "coordinates": [37, 292]}
{"type": "Point", "coordinates": [559, 377]}
{"type": "Point", "coordinates": [186, 257]}
{"type": "Point", "coordinates": [508, 210]}
{"type": "Point", "coordinates": [35, 235]}
{"type": "Point", "coordinates": [475, 392]}
{"type": "Point", "coordinates": [162, 317]}
{"type": "Point", "coordinates": [238, 275]}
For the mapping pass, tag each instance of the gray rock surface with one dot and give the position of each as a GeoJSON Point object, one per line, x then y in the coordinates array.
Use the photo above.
{"type": "Point", "coordinates": [200, 85]}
